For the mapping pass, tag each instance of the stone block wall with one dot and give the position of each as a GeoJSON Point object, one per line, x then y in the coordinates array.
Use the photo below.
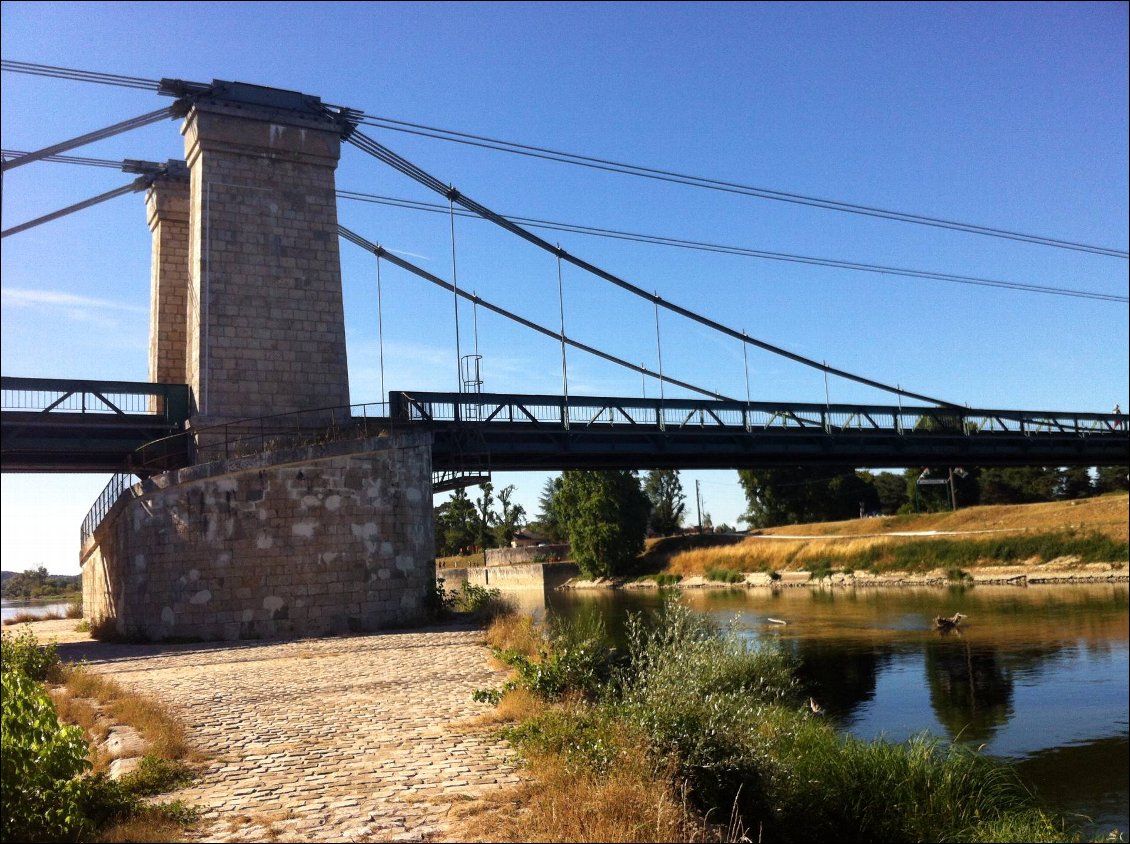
{"type": "Point", "coordinates": [313, 541]}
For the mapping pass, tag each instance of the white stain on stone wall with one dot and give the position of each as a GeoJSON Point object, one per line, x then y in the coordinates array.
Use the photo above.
{"type": "Point", "coordinates": [304, 529]}
{"type": "Point", "coordinates": [273, 602]}
{"type": "Point", "coordinates": [201, 597]}
{"type": "Point", "coordinates": [333, 503]}
{"type": "Point", "coordinates": [367, 533]}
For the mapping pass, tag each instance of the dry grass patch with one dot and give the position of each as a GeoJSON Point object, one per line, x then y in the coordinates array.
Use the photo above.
{"type": "Point", "coordinates": [150, 824]}
{"type": "Point", "coordinates": [556, 802]}
{"type": "Point", "coordinates": [516, 633]}
{"type": "Point", "coordinates": [515, 706]}
{"type": "Point", "coordinates": [164, 733]}
{"type": "Point", "coordinates": [1106, 514]}
{"type": "Point", "coordinates": [25, 617]}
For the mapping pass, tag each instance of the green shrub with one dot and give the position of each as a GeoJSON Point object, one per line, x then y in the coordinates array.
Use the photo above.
{"type": "Point", "coordinates": [920, 790]}
{"type": "Point", "coordinates": [577, 659]}
{"type": "Point", "coordinates": [821, 569]}
{"type": "Point", "coordinates": [23, 653]}
{"type": "Point", "coordinates": [699, 695]}
{"type": "Point", "coordinates": [724, 575]}
{"type": "Point", "coordinates": [667, 579]}
{"type": "Point", "coordinates": [44, 795]}
{"type": "Point", "coordinates": [438, 600]}
{"type": "Point", "coordinates": [482, 603]}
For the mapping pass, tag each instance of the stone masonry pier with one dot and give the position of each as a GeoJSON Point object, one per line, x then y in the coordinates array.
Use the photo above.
{"type": "Point", "coordinates": [246, 309]}
{"type": "Point", "coordinates": [309, 541]}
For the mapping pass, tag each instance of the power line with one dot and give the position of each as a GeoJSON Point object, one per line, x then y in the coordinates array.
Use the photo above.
{"type": "Point", "coordinates": [610, 165]}
{"type": "Point", "coordinates": [681, 243]}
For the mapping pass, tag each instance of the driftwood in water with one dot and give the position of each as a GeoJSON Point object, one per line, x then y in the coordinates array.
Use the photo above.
{"type": "Point", "coordinates": [951, 623]}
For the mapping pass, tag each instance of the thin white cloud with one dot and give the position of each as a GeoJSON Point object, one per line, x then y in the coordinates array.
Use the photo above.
{"type": "Point", "coordinates": [19, 297]}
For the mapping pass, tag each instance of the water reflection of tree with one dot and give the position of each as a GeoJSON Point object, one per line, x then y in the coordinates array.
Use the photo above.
{"type": "Point", "coordinates": [970, 687]}
{"type": "Point", "coordinates": [839, 676]}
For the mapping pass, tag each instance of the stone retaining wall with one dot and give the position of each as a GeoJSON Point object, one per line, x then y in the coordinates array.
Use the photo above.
{"type": "Point", "coordinates": [527, 554]}
{"type": "Point", "coordinates": [523, 576]}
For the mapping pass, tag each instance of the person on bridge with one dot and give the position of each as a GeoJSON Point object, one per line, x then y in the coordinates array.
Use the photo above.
{"type": "Point", "coordinates": [1118, 415]}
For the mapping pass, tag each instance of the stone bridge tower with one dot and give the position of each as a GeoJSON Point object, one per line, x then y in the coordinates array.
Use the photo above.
{"type": "Point", "coordinates": [265, 323]}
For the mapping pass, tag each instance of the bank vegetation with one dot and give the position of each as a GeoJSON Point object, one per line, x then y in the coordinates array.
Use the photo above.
{"type": "Point", "coordinates": [1075, 532]}
{"type": "Point", "coordinates": [57, 782]}
{"type": "Point", "coordinates": [691, 734]}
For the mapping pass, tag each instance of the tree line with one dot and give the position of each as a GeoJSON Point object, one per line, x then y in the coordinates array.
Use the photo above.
{"type": "Point", "coordinates": [606, 515]}
{"type": "Point", "coordinates": [799, 494]}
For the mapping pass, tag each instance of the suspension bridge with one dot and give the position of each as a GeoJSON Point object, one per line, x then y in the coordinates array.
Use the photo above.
{"type": "Point", "coordinates": [245, 437]}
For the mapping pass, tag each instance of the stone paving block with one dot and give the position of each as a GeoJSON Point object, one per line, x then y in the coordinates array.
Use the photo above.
{"type": "Point", "coordinates": [319, 739]}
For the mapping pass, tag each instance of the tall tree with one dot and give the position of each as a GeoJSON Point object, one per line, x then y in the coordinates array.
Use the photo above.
{"type": "Point", "coordinates": [1073, 482]}
{"type": "Point", "coordinates": [890, 489]}
{"type": "Point", "coordinates": [605, 517]}
{"type": "Point", "coordinates": [789, 495]}
{"type": "Point", "coordinates": [456, 524]}
{"type": "Point", "coordinates": [484, 504]}
{"type": "Point", "coordinates": [668, 503]}
{"type": "Point", "coordinates": [510, 518]}
{"type": "Point", "coordinates": [547, 524]}
{"type": "Point", "coordinates": [1112, 479]}
{"type": "Point", "coordinates": [1017, 485]}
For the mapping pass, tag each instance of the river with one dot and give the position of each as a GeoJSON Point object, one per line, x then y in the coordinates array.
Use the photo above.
{"type": "Point", "coordinates": [10, 609]}
{"type": "Point", "coordinates": [1036, 676]}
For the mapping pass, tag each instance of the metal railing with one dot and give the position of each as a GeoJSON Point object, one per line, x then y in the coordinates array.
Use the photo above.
{"type": "Point", "coordinates": [752, 417]}
{"type": "Point", "coordinates": [109, 496]}
{"type": "Point", "coordinates": [119, 398]}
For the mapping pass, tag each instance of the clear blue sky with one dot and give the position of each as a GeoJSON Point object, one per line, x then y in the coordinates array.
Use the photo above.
{"type": "Point", "coordinates": [1007, 115]}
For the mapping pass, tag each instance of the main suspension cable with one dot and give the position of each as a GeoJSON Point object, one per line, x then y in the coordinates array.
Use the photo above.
{"type": "Point", "coordinates": [91, 137]}
{"type": "Point", "coordinates": [593, 162]}
{"type": "Point", "coordinates": [382, 153]}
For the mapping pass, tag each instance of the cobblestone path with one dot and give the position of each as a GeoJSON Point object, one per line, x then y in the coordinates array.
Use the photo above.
{"type": "Point", "coordinates": [360, 738]}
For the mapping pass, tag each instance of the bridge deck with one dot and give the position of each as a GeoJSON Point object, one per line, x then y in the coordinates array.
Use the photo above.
{"type": "Point", "coordinates": [82, 427]}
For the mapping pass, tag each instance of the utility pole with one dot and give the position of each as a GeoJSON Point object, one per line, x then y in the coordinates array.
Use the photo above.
{"type": "Point", "coordinates": [698, 504]}
{"type": "Point", "coordinates": [953, 493]}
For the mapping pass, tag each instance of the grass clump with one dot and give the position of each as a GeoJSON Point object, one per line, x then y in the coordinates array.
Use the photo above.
{"type": "Point", "coordinates": [710, 728]}
{"type": "Point", "coordinates": [164, 733]}
{"type": "Point", "coordinates": [74, 608]}
{"type": "Point", "coordinates": [571, 657]}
